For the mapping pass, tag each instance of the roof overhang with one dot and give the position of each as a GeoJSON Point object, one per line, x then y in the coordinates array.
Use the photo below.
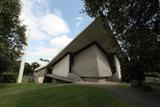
{"type": "Point", "coordinates": [95, 32]}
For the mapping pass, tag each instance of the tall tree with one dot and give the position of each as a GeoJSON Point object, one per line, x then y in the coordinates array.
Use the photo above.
{"type": "Point", "coordinates": [12, 33]}
{"type": "Point", "coordinates": [136, 25]}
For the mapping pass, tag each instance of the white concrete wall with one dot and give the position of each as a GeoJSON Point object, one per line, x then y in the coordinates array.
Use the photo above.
{"type": "Point", "coordinates": [91, 62]}
{"type": "Point", "coordinates": [39, 76]}
{"type": "Point", "coordinates": [103, 64]}
{"type": "Point", "coordinates": [118, 68]}
{"type": "Point", "coordinates": [40, 79]}
{"type": "Point", "coordinates": [85, 63]}
{"type": "Point", "coordinates": [62, 67]}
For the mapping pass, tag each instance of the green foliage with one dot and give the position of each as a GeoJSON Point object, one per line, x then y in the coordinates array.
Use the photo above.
{"type": "Point", "coordinates": [27, 79]}
{"type": "Point", "coordinates": [9, 77]}
{"type": "Point", "coordinates": [45, 60]}
{"type": "Point", "coordinates": [135, 25]}
{"type": "Point", "coordinates": [35, 65]}
{"type": "Point", "coordinates": [12, 33]}
{"type": "Point", "coordinates": [28, 69]}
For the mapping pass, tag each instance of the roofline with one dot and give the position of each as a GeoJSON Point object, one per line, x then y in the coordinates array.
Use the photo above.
{"type": "Point", "coordinates": [93, 43]}
{"type": "Point", "coordinates": [40, 68]}
{"type": "Point", "coordinates": [50, 63]}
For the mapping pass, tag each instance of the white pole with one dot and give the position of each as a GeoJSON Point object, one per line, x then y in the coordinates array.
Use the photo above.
{"type": "Point", "coordinates": [22, 65]}
{"type": "Point", "coordinates": [21, 69]}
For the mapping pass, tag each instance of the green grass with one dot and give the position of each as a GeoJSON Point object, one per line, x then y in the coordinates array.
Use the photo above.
{"type": "Point", "coordinates": [49, 95]}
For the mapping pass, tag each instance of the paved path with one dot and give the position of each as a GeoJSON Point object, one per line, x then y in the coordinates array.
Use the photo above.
{"type": "Point", "coordinates": [134, 97]}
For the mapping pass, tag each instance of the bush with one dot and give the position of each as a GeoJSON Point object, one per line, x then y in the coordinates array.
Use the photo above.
{"type": "Point", "coordinates": [8, 77]}
{"type": "Point", "coordinates": [27, 79]}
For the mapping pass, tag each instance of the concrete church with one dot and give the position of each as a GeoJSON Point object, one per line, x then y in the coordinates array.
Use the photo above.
{"type": "Point", "coordinates": [91, 56]}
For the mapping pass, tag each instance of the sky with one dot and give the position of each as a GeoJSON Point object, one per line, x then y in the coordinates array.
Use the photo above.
{"type": "Point", "coordinates": [51, 24]}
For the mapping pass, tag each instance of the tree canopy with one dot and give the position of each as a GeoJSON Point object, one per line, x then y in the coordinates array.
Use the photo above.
{"type": "Point", "coordinates": [12, 33]}
{"type": "Point", "coordinates": [35, 65]}
{"type": "Point", "coordinates": [136, 26]}
{"type": "Point", "coordinates": [44, 60]}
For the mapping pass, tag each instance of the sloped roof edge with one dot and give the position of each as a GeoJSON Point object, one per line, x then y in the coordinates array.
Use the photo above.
{"type": "Point", "coordinates": [94, 32]}
{"type": "Point", "coordinates": [73, 40]}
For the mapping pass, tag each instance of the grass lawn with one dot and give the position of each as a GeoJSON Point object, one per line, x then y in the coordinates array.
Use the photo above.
{"type": "Point", "coordinates": [48, 95]}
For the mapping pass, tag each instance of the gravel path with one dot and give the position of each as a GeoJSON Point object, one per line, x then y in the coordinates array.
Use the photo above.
{"type": "Point", "coordinates": [134, 97]}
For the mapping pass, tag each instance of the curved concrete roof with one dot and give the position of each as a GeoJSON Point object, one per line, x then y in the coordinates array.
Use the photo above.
{"type": "Point", "coordinates": [95, 32]}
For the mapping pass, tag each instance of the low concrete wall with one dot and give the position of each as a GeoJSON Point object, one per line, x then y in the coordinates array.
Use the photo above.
{"type": "Point", "coordinates": [75, 77]}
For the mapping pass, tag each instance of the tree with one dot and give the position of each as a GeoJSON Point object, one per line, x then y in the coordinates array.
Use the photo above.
{"type": "Point", "coordinates": [11, 75]}
{"type": "Point", "coordinates": [12, 33]}
{"type": "Point", "coordinates": [135, 25]}
{"type": "Point", "coordinates": [44, 60]}
{"type": "Point", "coordinates": [35, 65]}
{"type": "Point", "coordinates": [28, 69]}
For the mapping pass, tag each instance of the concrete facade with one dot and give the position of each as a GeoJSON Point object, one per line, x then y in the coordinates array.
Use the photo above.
{"type": "Point", "coordinates": [91, 56]}
{"type": "Point", "coordinates": [118, 76]}
{"type": "Point", "coordinates": [40, 76]}
{"type": "Point", "coordinates": [103, 64]}
{"type": "Point", "coordinates": [62, 67]}
{"type": "Point", "coordinates": [91, 63]}
{"type": "Point", "coordinates": [85, 63]}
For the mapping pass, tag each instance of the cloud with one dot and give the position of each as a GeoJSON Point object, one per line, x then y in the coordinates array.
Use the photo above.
{"type": "Point", "coordinates": [37, 17]}
{"type": "Point", "coordinates": [61, 41]}
{"type": "Point", "coordinates": [42, 1]}
{"type": "Point", "coordinates": [78, 21]}
{"type": "Point", "coordinates": [43, 52]}
{"type": "Point", "coordinates": [53, 25]}
{"type": "Point", "coordinates": [44, 26]}
{"type": "Point", "coordinates": [58, 13]}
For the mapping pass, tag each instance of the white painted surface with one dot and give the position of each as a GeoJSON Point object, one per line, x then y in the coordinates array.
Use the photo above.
{"type": "Point", "coordinates": [62, 67]}
{"type": "Point", "coordinates": [118, 68]}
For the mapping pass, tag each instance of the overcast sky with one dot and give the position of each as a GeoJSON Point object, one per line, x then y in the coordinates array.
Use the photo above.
{"type": "Point", "coordinates": [53, 24]}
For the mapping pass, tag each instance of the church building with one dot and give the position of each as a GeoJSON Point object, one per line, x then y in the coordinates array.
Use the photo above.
{"type": "Point", "coordinates": [92, 56]}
